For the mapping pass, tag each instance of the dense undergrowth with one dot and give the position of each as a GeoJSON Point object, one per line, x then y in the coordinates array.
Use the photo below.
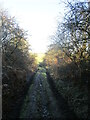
{"type": "Point", "coordinates": [72, 89]}
{"type": "Point", "coordinates": [76, 96]}
{"type": "Point", "coordinates": [18, 65]}
{"type": "Point", "coordinates": [67, 58]}
{"type": "Point", "coordinates": [68, 82]}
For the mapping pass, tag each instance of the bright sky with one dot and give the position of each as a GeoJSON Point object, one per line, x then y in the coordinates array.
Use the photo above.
{"type": "Point", "coordinates": [39, 17]}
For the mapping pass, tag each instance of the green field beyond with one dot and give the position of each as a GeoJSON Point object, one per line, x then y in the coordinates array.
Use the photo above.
{"type": "Point", "coordinates": [40, 57]}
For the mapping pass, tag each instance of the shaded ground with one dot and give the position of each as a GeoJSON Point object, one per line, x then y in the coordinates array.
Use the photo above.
{"type": "Point", "coordinates": [12, 111]}
{"type": "Point", "coordinates": [42, 101]}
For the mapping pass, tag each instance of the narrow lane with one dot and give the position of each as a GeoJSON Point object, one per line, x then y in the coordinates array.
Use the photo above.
{"type": "Point", "coordinates": [40, 101]}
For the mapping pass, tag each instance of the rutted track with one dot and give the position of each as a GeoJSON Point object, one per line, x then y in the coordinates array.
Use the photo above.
{"type": "Point", "coordinates": [42, 102]}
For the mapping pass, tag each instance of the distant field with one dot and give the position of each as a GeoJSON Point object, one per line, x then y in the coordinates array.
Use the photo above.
{"type": "Point", "coordinates": [40, 57]}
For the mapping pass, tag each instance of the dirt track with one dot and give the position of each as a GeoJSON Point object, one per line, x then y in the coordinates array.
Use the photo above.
{"type": "Point", "coordinates": [40, 102]}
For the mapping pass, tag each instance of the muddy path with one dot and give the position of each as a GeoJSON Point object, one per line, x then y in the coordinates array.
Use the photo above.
{"type": "Point", "coordinates": [42, 102]}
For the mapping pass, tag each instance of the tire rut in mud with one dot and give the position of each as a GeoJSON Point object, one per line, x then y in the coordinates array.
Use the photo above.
{"type": "Point", "coordinates": [35, 103]}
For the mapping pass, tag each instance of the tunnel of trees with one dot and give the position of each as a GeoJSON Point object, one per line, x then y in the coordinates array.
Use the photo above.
{"type": "Point", "coordinates": [67, 59]}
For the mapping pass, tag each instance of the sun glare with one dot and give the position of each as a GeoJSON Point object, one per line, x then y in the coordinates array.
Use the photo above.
{"type": "Point", "coordinates": [40, 57]}
{"type": "Point", "coordinates": [39, 18]}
